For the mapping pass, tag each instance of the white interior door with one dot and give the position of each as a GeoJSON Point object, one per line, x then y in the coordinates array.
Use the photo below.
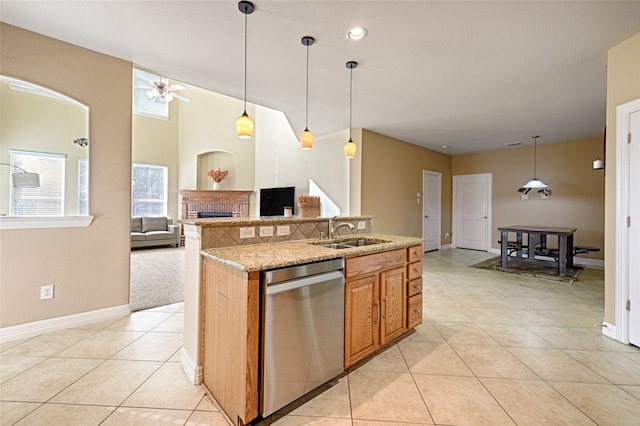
{"type": "Point", "coordinates": [634, 230]}
{"type": "Point", "coordinates": [431, 208]}
{"type": "Point", "coordinates": [472, 211]}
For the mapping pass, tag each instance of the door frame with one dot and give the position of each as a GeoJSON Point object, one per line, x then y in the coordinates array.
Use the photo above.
{"type": "Point", "coordinates": [623, 127]}
{"type": "Point", "coordinates": [437, 175]}
{"type": "Point", "coordinates": [487, 177]}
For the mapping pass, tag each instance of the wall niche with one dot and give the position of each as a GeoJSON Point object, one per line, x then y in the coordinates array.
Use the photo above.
{"type": "Point", "coordinates": [222, 160]}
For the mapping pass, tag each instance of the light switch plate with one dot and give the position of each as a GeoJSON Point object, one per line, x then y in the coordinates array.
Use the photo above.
{"type": "Point", "coordinates": [266, 231]}
{"type": "Point", "coordinates": [283, 230]}
{"type": "Point", "coordinates": [248, 232]}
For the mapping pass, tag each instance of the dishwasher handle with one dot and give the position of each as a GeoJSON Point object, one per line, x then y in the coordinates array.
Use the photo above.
{"type": "Point", "coordinates": [304, 282]}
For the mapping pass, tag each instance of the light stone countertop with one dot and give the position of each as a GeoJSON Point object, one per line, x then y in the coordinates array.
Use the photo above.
{"type": "Point", "coordinates": [261, 257]}
{"type": "Point", "coordinates": [270, 220]}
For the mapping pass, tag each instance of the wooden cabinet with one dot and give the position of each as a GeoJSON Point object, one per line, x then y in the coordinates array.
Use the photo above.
{"type": "Point", "coordinates": [375, 302]}
{"type": "Point", "coordinates": [414, 286]}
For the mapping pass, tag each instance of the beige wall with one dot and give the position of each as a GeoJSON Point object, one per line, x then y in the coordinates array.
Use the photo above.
{"type": "Point", "coordinates": [577, 198]}
{"type": "Point", "coordinates": [207, 124]}
{"type": "Point", "coordinates": [391, 176]}
{"type": "Point", "coordinates": [623, 85]}
{"type": "Point", "coordinates": [88, 266]}
{"type": "Point", "coordinates": [155, 142]}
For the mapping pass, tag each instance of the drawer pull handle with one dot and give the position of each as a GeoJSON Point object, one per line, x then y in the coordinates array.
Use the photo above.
{"type": "Point", "coordinates": [416, 270]}
{"type": "Point", "coordinates": [417, 286]}
{"type": "Point", "coordinates": [417, 311]}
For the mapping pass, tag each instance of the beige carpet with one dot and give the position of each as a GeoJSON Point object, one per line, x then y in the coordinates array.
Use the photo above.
{"type": "Point", "coordinates": [157, 277]}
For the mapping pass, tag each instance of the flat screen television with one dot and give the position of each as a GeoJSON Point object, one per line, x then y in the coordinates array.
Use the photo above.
{"type": "Point", "coordinates": [274, 200]}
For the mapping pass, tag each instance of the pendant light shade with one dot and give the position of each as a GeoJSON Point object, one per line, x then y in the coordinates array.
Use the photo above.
{"type": "Point", "coordinates": [534, 183]}
{"type": "Point", "coordinates": [350, 147]}
{"type": "Point", "coordinates": [244, 124]}
{"type": "Point", "coordinates": [306, 137]}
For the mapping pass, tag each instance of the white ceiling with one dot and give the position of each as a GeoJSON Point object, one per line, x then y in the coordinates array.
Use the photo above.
{"type": "Point", "coordinates": [474, 75]}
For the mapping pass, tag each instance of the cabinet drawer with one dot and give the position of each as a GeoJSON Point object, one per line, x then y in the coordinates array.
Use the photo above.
{"type": "Point", "coordinates": [414, 311]}
{"type": "Point", "coordinates": [414, 270]}
{"type": "Point", "coordinates": [414, 287]}
{"type": "Point", "coordinates": [372, 263]}
{"type": "Point", "coordinates": [414, 253]}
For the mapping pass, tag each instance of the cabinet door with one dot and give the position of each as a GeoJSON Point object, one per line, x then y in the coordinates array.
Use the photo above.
{"type": "Point", "coordinates": [362, 318]}
{"type": "Point", "coordinates": [393, 299]}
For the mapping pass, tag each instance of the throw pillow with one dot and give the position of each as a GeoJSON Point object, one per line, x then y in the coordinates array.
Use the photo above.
{"type": "Point", "coordinates": [154, 224]}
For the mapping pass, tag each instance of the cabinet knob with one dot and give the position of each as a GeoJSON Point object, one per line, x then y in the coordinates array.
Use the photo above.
{"type": "Point", "coordinates": [417, 311]}
{"type": "Point", "coordinates": [417, 286]}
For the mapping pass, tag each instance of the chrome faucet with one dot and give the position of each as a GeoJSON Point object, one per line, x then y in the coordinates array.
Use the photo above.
{"type": "Point", "coordinates": [334, 227]}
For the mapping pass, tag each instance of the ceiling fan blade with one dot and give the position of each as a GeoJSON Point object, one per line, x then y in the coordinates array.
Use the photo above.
{"type": "Point", "coordinates": [176, 87]}
{"type": "Point", "coordinates": [182, 98]}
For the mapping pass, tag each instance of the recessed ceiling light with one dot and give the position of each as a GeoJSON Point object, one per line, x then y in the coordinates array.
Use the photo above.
{"type": "Point", "coordinates": [357, 33]}
{"type": "Point", "coordinates": [445, 146]}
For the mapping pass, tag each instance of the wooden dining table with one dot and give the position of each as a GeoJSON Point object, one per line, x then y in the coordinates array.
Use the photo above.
{"type": "Point", "coordinates": [537, 243]}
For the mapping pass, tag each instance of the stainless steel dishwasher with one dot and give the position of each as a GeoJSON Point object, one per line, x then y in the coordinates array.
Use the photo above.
{"type": "Point", "coordinates": [303, 344]}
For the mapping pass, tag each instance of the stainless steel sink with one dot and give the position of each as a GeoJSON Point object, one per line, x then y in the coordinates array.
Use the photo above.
{"type": "Point", "coordinates": [361, 242]}
{"type": "Point", "coordinates": [345, 244]}
{"type": "Point", "coordinates": [333, 245]}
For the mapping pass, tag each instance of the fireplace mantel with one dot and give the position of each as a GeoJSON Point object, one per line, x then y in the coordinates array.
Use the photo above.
{"type": "Point", "coordinates": [195, 201]}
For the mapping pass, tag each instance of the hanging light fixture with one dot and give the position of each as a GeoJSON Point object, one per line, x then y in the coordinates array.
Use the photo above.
{"type": "Point", "coordinates": [350, 147]}
{"type": "Point", "coordinates": [23, 178]}
{"type": "Point", "coordinates": [534, 183]}
{"type": "Point", "coordinates": [244, 124]}
{"type": "Point", "coordinates": [306, 138]}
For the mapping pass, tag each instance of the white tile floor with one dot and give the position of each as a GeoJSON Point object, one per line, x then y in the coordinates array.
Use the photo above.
{"type": "Point", "coordinates": [494, 349]}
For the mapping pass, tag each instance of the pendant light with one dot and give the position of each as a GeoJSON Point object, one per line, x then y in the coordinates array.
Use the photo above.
{"type": "Point", "coordinates": [350, 147]}
{"type": "Point", "coordinates": [535, 183]}
{"type": "Point", "coordinates": [306, 137]}
{"type": "Point", "coordinates": [244, 124]}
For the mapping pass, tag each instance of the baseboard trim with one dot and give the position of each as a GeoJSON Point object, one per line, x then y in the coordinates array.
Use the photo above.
{"type": "Point", "coordinates": [193, 371]}
{"type": "Point", "coordinates": [609, 330]}
{"type": "Point", "coordinates": [598, 263]}
{"type": "Point", "coordinates": [36, 328]}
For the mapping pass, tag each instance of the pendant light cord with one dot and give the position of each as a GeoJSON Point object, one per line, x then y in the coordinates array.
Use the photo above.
{"type": "Point", "coordinates": [306, 120]}
{"type": "Point", "coordinates": [245, 63]}
{"type": "Point", "coordinates": [350, 98]}
{"type": "Point", "coordinates": [535, 154]}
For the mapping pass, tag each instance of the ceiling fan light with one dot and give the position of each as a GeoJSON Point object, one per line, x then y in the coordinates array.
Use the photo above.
{"type": "Point", "coordinates": [244, 126]}
{"type": "Point", "coordinates": [535, 184]}
{"type": "Point", "coordinates": [350, 149]}
{"type": "Point", "coordinates": [306, 140]}
{"type": "Point", "coordinates": [168, 97]}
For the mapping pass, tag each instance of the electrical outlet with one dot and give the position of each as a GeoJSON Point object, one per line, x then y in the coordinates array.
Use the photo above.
{"type": "Point", "coordinates": [46, 292]}
{"type": "Point", "coordinates": [248, 232]}
{"type": "Point", "coordinates": [283, 230]}
{"type": "Point", "coordinates": [266, 231]}
{"type": "Point", "coordinates": [362, 225]}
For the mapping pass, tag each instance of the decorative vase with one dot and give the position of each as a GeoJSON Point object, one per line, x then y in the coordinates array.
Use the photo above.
{"type": "Point", "coordinates": [216, 186]}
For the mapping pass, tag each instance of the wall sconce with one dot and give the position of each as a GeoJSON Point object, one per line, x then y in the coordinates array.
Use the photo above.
{"type": "Point", "coordinates": [81, 141]}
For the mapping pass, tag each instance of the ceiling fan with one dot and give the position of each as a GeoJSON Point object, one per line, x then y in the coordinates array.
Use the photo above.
{"type": "Point", "coordinates": [165, 93]}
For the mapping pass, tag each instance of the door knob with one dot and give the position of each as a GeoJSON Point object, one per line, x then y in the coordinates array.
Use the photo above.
{"type": "Point", "coordinates": [426, 217]}
{"type": "Point", "coordinates": [484, 217]}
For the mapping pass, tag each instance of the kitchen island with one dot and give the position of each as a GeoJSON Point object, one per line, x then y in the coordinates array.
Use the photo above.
{"type": "Point", "coordinates": [383, 302]}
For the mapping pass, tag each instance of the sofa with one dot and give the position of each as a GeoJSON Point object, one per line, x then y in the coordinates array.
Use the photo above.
{"type": "Point", "coordinates": [154, 231]}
